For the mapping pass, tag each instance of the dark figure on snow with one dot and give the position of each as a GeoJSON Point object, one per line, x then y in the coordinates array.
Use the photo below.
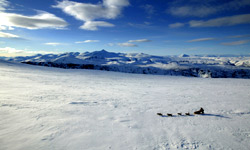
{"type": "Point", "coordinates": [201, 111]}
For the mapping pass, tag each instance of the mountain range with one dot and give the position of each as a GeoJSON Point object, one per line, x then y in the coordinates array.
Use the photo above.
{"type": "Point", "coordinates": [210, 66]}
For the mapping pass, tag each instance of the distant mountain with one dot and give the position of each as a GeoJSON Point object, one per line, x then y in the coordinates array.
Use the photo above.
{"type": "Point", "coordinates": [185, 65]}
{"type": "Point", "coordinates": [2, 57]}
{"type": "Point", "coordinates": [184, 55]}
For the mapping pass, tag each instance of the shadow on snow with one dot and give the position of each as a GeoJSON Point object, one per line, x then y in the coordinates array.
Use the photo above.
{"type": "Point", "coordinates": [210, 115]}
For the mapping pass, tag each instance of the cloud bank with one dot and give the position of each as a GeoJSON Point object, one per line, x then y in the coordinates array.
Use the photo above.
{"type": "Point", "coordinates": [88, 13]}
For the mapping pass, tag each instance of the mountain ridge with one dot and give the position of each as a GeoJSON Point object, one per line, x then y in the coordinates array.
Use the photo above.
{"type": "Point", "coordinates": [185, 65]}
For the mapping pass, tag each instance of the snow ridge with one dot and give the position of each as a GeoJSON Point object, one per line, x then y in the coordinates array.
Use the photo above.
{"type": "Point", "coordinates": [183, 65]}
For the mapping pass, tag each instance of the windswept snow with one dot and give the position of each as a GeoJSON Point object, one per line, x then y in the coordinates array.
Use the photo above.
{"type": "Point", "coordinates": [53, 108]}
{"type": "Point", "coordinates": [184, 65]}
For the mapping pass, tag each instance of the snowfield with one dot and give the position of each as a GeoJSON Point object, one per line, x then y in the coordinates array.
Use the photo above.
{"type": "Point", "coordinates": [69, 109]}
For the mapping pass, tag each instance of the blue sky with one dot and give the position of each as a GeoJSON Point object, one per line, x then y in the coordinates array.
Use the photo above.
{"type": "Point", "coordinates": [158, 27]}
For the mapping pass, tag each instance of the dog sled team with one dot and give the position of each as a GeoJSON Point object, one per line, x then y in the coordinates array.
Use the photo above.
{"type": "Point", "coordinates": [199, 112]}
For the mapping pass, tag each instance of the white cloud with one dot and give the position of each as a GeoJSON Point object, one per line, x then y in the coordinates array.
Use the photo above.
{"type": "Point", "coordinates": [3, 4]}
{"type": "Point", "coordinates": [40, 52]}
{"type": "Point", "coordinates": [6, 28]}
{"type": "Point", "coordinates": [110, 44]}
{"type": "Point", "coordinates": [10, 50]}
{"type": "Point", "coordinates": [42, 20]}
{"type": "Point", "coordinates": [236, 43]}
{"type": "Point", "coordinates": [93, 25]}
{"type": "Point", "coordinates": [88, 13]}
{"type": "Point", "coordinates": [39, 21]}
{"type": "Point", "coordinates": [183, 8]}
{"type": "Point", "coordinates": [139, 40]}
{"type": "Point", "coordinates": [3, 28]}
{"type": "Point", "coordinates": [176, 25]}
{"type": "Point", "coordinates": [201, 39]}
{"type": "Point", "coordinates": [126, 45]}
{"type": "Point", "coordinates": [197, 11]}
{"type": "Point", "coordinates": [8, 35]}
{"type": "Point", "coordinates": [223, 21]}
{"type": "Point", "coordinates": [130, 43]}
{"type": "Point", "coordinates": [87, 41]}
{"type": "Point", "coordinates": [53, 44]}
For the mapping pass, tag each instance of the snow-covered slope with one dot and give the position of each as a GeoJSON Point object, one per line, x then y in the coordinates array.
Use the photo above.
{"type": "Point", "coordinates": [185, 65]}
{"type": "Point", "coordinates": [61, 109]}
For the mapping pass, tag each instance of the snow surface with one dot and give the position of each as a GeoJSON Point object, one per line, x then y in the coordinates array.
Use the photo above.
{"type": "Point", "coordinates": [183, 65]}
{"type": "Point", "coordinates": [62, 109]}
